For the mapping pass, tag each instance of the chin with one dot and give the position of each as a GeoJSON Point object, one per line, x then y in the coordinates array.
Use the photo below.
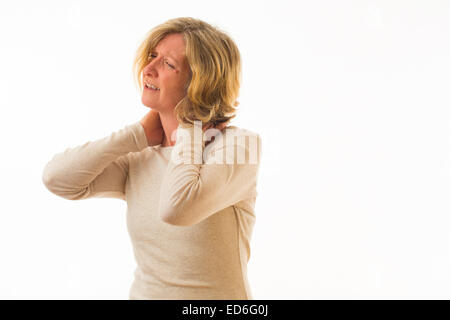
{"type": "Point", "coordinates": [148, 104]}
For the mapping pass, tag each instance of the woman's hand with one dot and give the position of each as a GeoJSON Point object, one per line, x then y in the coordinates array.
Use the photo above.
{"type": "Point", "coordinates": [220, 127]}
{"type": "Point", "coordinates": [153, 128]}
{"type": "Point", "coordinates": [154, 131]}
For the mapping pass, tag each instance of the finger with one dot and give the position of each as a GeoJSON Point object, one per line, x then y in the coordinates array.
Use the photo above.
{"type": "Point", "coordinates": [206, 127]}
{"type": "Point", "coordinates": [222, 126]}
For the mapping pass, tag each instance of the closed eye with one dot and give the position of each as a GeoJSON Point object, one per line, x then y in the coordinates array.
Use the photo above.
{"type": "Point", "coordinates": [152, 55]}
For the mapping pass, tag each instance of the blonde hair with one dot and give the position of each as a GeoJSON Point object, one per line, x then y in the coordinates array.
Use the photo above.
{"type": "Point", "coordinates": [215, 64]}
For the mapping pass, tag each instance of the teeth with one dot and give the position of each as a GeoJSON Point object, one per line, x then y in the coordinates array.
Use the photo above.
{"type": "Point", "coordinates": [151, 86]}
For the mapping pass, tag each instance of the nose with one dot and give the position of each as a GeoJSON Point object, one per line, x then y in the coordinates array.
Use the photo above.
{"type": "Point", "coordinates": [151, 67]}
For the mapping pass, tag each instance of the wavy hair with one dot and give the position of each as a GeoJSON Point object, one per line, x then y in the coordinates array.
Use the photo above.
{"type": "Point", "coordinates": [215, 64]}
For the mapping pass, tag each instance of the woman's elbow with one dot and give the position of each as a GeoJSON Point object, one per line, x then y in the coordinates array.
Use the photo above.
{"type": "Point", "coordinates": [48, 179]}
{"type": "Point", "coordinates": [56, 186]}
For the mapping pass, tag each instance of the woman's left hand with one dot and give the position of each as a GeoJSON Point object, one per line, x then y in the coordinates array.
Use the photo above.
{"type": "Point", "coordinates": [221, 126]}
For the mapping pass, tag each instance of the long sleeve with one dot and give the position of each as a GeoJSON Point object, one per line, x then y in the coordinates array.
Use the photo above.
{"type": "Point", "coordinates": [95, 169]}
{"type": "Point", "coordinates": [201, 181]}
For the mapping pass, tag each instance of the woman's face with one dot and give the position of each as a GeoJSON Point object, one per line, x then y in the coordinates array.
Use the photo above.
{"type": "Point", "coordinates": [168, 70]}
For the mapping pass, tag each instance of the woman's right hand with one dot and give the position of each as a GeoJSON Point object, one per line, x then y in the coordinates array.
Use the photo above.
{"type": "Point", "coordinates": [153, 128]}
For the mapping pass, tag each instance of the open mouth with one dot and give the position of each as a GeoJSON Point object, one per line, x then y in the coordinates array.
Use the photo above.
{"type": "Point", "coordinates": [151, 87]}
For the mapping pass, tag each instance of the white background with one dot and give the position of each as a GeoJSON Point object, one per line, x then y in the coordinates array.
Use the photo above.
{"type": "Point", "coordinates": [351, 99]}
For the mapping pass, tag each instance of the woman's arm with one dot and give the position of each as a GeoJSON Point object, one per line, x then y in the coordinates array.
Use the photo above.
{"type": "Point", "coordinates": [95, 169]}
{"type": "Point", "coordinates": [193, 190]}
{"type": "Point", "coordinates": [152, 127]}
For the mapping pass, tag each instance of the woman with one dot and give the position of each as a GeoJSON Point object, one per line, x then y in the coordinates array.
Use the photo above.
{"type": "Point", "coordinates": [190, 221]}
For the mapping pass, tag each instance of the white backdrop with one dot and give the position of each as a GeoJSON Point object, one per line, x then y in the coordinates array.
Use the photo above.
{"type": "Point", "coordinates": [351, 99]}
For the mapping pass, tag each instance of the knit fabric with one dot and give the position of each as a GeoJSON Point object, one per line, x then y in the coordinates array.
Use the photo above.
{"type": "Point", "coordinates": [190, 208]}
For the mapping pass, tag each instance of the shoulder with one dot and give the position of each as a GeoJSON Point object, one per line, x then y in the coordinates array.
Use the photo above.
{"type": "Point", "coordinates": [237, 143]}
{"type": "Point", "coordinates": [238, 135]}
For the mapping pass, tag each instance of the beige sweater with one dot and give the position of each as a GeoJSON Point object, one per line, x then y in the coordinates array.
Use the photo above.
{"type": "Point", "coordinates": [190, 222]}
